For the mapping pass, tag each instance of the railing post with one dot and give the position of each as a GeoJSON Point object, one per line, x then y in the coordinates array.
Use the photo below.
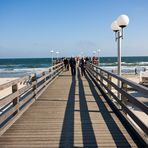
{"type": "Point", "coordinates": [97, 74]}
{"type": "Point", "coordinates": [33, 80]}
{"type": "Point", "coordinates": [101, 73]}
{"type": "Point", "coordinates": [60, 68]}
{"type": "Point", "coordinates": [123, 98]}
{"type": "Point", "coordinates": [15, 100]}
{"type": "Point", "coordinates": [44, 80]}
{"type": "Point", "coordinates": [50, 72]}
{"type": "Point", "coordinates": [108, 84]}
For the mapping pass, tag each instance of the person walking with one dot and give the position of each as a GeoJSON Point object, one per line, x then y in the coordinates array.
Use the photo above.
{"type": "Point", "coordinates": [72, 63]}
{"type": "Point", "coordinates": [136, 71]}
{"type": "Point", "coordinates": [82, 66]}
{"type": "Point", "coordinates": [65, 64]}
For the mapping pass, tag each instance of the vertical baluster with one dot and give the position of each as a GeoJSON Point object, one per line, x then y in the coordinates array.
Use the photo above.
{"type": "Point", "coordinates": [101, 74]}
{"type": "Point", "coordinates": [108, 84]}
{"type": "Point", "coordinates": [44, 80]}
{"type": "Point", "coordinates": [34, 80]}
{"type": "Point", "coordinates": [49, 72]}
{"type": "Point", "coordinates": [97, 74]}
{"type": "Point", "coordinates": [15, 100]}
{"type": "Point", "coordinates": [123, 98]}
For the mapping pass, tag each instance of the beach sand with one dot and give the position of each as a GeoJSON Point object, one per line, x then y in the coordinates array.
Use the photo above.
{"type": "Point", "coordinates": [132, 77]}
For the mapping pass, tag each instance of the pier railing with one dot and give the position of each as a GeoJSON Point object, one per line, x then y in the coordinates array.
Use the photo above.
{"type": "Point", "coordinates": [16, 103]}
{"type": "Point", "coordinates": [130, 93]}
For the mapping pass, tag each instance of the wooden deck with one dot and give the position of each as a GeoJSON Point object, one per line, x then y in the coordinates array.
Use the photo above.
{"type": "Point", "coordinates": [70, 113]}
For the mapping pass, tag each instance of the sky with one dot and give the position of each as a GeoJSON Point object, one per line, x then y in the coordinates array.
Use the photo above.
{"type": "Point", "coordinates": [32, 28]}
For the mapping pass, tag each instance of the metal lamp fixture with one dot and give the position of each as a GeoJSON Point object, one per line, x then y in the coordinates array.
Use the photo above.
{"type": "Point", "coordinates": [51, 51]}
{"type": "Point", "coordinates": [57, 53]}
{"type": "Point", "coordinates": [117, 26]}
{"type": "Point", "coordinates": [123, 21]}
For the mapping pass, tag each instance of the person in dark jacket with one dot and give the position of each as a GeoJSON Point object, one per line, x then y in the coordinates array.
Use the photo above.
{"type": "Point", "coordinates": [65, 63]}
{"type": "Point", "coordinates": [82, 65]}
{"type": "Point", "coordinates": [72, 63]}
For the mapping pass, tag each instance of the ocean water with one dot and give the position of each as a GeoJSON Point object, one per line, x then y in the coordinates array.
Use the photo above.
{"type": "Point", "coordinates": [129, 64]}
{"type": "Point", "coordinates": [22, 67]}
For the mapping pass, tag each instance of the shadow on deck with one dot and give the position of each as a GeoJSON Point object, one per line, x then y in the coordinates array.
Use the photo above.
{"type": "Point", "coordinates": [114, 137]}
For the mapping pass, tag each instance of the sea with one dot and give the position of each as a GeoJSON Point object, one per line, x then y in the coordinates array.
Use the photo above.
{"type": "Point", "coordinates": [18, 67]}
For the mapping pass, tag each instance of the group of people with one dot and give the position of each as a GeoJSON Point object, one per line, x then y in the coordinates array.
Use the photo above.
{"type": "Point", "coordinates": [66, 64]}
{"type": "Point", "coordinates": [72, 62]}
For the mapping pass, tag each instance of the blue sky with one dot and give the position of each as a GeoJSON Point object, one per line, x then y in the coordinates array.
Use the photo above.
{"type": "Point", "coordinates": [31, 28]}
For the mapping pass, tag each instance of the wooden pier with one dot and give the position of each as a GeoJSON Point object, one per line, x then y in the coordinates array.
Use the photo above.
{"type": "Point", "coordinates": [66, 111]}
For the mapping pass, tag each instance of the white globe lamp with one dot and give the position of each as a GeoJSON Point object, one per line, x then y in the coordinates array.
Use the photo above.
{"type": "Point", "coordinates": [115, 27]}
{"type": "Point", "coordinates": [123, 21]}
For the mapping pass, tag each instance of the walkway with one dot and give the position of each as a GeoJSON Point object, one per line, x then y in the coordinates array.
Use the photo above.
{"type": "Point", "coordinates": [70, 113]}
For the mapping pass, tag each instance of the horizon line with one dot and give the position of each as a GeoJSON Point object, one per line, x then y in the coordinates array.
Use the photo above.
{"type": "Point", "coordinates": [64, 56]}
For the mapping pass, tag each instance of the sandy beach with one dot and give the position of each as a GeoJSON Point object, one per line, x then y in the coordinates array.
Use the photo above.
{"type": "Point", "coordinates": [132, 77]}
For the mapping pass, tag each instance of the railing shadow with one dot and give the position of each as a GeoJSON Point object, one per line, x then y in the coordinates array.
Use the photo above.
{"type": "Point", "coordinates": [88, 134]}
{"type": "Point", "coordinates": [67, 134]}
{"type": "Point", "coordinates": [118, 137]}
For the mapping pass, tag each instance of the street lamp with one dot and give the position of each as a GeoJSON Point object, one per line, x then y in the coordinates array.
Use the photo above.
{"type": "Point", "coordinates": [51, 57]}
{"type": "Point", "coordinates": [117, 26]}
{"type": "Point", "coordinates": [57, 53]}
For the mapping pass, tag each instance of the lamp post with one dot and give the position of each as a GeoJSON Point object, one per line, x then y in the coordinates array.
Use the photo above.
{"type": "Point", "coordinates": [51, 57]}
{"type": "Point", "coordinates": [117, 26]}
{"type": "Point", "coordinates": [57, 53]}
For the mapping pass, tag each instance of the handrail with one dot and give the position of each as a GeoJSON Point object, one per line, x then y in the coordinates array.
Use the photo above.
{"type": "Point", "coordinates": [104, 79]}
{"type": "Point", "coordinates": [138, 87]}
{"type": "Point", "coordinates": [6, 85]}
{"type": "Point", "coordinates": [15, 104]}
